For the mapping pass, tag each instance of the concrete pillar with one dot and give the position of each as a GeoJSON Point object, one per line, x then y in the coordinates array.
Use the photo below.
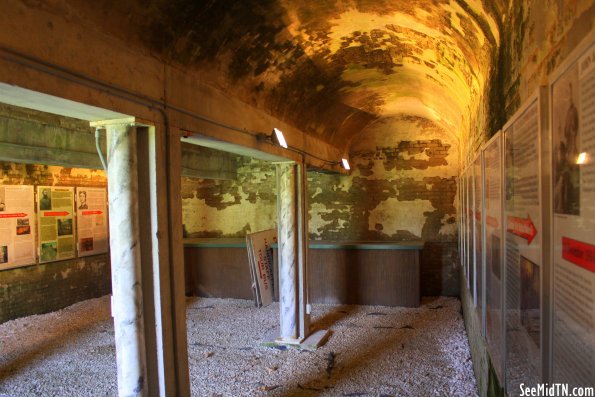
{"type": "Point", "coordinates": [287, 238]}
{"type": "Point", "coordinates": [127, 306]}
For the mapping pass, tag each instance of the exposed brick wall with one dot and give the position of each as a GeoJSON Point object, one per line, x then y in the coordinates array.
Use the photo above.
{"type": "Point", "coordinates": [48, 287]}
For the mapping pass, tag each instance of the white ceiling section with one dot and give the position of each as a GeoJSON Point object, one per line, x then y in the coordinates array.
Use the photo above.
{"type": "Point", "coordinates": [232, 148]}
{"type": "Point", "coordinates": [17, 96]}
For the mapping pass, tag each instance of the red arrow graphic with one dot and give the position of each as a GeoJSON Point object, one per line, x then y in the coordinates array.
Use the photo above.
{"type": "Point", "coordinates": [524, 228]}
{"type": "Point", "coordinates": [94, 212]}
{"type": "Point", "coordinates": [56, 213]}
{"type": "Point", "coordinates": [579, 253]}
{"type": "Point", "coordinates": [15, 215]}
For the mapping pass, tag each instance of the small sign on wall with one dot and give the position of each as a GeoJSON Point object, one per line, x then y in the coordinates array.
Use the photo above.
{"type": "Point", "coordinates": [56, 223]}
{"type": "Point", "coordinates": [92, 221]}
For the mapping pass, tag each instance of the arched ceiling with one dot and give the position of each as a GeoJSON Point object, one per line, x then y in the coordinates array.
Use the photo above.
{"type": "Point", "coordinates": [331, 67]}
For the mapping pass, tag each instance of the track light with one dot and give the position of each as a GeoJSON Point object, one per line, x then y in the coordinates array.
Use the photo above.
{"type": "Point", "coordinates": [345, 164]}
{"type": "Point", "coordinates": [582, 158]}
{"type": "Point", "coordinates": [275, 138]}
{"type": "Point", "coordinates": [280, 137]}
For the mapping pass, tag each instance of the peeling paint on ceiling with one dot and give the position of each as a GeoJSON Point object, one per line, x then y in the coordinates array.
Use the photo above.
{"type": "Point", "coordinates": [330, 67]}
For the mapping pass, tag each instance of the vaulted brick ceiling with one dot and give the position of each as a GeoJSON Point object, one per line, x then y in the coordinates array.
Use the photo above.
{"type": "Point", "coordinates": [333, 67]}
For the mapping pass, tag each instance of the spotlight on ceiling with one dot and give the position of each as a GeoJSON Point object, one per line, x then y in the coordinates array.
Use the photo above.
{"type": "Point", "coordinates": [280, 138]}
{"type": "Point", "coordinates": [345, 164]}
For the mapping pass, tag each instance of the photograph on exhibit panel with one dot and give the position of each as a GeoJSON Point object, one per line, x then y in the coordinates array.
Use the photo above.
{"type": "Point", "coordinates": [566, 145]}
{"type": "Point", "coordinates": [530, 301]}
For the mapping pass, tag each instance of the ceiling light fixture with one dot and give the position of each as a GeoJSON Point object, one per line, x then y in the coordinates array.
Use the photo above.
{"type": "Point", "coordinates": [274, 138]}
{"type": "Point", "coordinates": [582, 158]}
{"type": "Point", "coordinates": [280, 137]}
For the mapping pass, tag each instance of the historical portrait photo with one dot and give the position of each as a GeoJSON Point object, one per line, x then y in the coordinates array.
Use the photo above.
{"type": "Point", "coordinates": [45, 202]}
{"type": "Point", "coordinates": [566, 144]}
{"type": "Point", "coordinates": [82, 202]}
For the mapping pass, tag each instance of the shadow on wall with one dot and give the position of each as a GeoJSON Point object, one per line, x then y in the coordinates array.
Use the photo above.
{"type": "Point", "coordinates": [438, 269]}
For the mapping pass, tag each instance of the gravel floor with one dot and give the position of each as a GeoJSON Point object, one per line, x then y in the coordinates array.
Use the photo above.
{"type": "Point", "coordinates": [373, 351]}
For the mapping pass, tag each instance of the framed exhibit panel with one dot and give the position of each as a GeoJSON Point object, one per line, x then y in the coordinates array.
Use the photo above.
{"type": "Point", "coordinates": [523, 265]}
{"type": "Point", "coordinates": [572, 92]}
{"type": "Point", "coordinates": [17, 226]}
{"type": "Point", "coordinates": [478, 234]}
{"type": "Point", "coordinates": [91, 220]}
{"type": "Point", "coordinates": [470, 236]}
{"type": "Point", "coordinates": [463, 227]}
{"type": "Point", "coordinates": [493, 248]}
{"type": "Point", "coordinates": [464, 211]}
{"type": "Point", "coordinates": [460, 220]}
{"type": "Point", "coordinates": [55, 211]}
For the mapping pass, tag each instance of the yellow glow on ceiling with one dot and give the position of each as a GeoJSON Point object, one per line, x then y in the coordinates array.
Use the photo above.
{"type": "Point", "coordinates": [353, 20]}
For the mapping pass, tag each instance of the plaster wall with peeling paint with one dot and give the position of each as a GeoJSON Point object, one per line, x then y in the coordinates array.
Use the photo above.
{"type": "Point", "coordinates": [399, 190]}
{"type": "Point", "coordinates": [231, 208]}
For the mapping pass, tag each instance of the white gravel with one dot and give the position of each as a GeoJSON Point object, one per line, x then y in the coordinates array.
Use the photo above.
{"type": "Point", "coordinates": [373, 351]}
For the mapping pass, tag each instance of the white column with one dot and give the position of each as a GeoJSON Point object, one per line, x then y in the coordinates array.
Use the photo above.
{"type": "Point", "coordinates": [288, 256]}
{"type": "Point", "coordinates": [302, 249]}
{"type": "Point", "coordinates": [125, 260]}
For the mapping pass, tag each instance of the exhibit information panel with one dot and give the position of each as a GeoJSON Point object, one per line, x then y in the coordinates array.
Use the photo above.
{"type": "Point", "coordinates": [492, 156]}
{"type": "Point", "coordinates": [17, 226]}
{"type": "Point", "coordinates": [478, 231]}
{"type": "Point", "coordinates": [91, 218]}
{"type": "Point", "coordinates": [523, 249]}
{"type": "Point", "coordinates": [463, 230]}
{"type": "Point", "coordinates": [56, 218]}
{"type": "Point", "coordinates": [470, 239]}
{"type": "Point", "coordinates": [573, 173]}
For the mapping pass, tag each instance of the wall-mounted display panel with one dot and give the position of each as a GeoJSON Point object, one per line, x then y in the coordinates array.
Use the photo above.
{"type": "Point", "coordinates": [493, 244]}
{"type": "Point", "coordinates": [91, 216]}
{"type": "Point", "coordinates": [463, 223]}
{"type": "Point", "coordinates": [573, 182]}
{"type": "Point", "coordinates": [55, 210]}
{"type": "Point", "coordinates": [523, 259]}
{"type": "Point", "coordinates": [470, 237]}
{"type": "Point", "coordinates": [478, 232]}
{"type": "Point", "coordinates": [17, 226]}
